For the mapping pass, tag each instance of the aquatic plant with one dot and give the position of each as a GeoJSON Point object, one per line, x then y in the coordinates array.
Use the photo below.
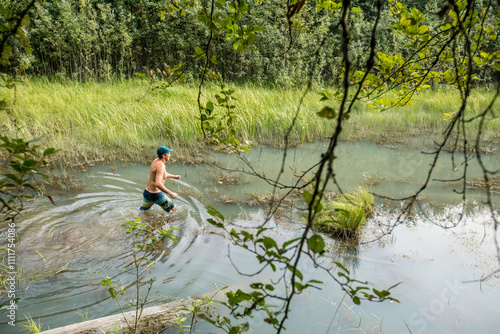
{"type": "Point", "coordinates": [31, 326]}
{"type": "Point", "coordinates": [207, 310]}
{"type": "Point", "coordinates": [146, 242]}
{"type": "Point", "coordinates": [345, 216]}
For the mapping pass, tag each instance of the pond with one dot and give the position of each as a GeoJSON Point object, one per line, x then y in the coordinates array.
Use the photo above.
{"type": "Point", "coordinates": [65, 250]}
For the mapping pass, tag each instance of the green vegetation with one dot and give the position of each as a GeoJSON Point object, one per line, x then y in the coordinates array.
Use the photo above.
{"type": "Point", "coordinates": [385, 52]}
{"type": "Point", "coordinates": [345, 216]}
{"type": "Point", "coordinates": [96, 39]}
{"type": "Point", "coordinates": [146, 242]}
{"type": "Point", "coordinates": [31, 326]}
{"type": "Point", "coordinates": [95, 121]}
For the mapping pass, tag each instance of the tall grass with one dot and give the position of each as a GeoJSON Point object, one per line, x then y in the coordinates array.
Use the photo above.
{"type": "Point", "coordinates": [31, 326]}
{"type": "Point", "coordinates": [425, 115]}
{"type": "Point", "coordinates": [345, 216]}
{"type": "Point", "coordinates": [118, 121]}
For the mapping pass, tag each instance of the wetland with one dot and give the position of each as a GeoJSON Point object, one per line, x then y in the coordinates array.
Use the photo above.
{"type": "Point", "coordinates": [66, 249]}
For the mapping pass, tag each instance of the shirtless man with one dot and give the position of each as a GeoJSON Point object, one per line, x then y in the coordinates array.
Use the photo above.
{"type": "Point", "coordinates": [155, 189]}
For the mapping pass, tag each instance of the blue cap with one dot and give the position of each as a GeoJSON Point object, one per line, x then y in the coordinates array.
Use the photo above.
{"type": "Point", "coordinates": [162, 150]}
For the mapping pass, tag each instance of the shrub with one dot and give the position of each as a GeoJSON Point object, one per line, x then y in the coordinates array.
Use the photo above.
{"type": "Point", "coordinates": [345, 216]}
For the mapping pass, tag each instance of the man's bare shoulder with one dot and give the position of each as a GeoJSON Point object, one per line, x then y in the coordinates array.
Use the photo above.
{"type": "Point", "coordinates": [157, 165]}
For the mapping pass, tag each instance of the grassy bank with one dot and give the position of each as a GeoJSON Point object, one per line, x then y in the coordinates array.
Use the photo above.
{"type": "Point", "coordinates": [118, 121]}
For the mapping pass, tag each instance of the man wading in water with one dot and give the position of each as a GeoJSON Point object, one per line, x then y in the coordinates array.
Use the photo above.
{"type": "Point", "coordinates": [155, 190]}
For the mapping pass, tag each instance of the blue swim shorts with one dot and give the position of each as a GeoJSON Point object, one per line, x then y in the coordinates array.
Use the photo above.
{"type": "Point", "coordinates": [156, 198]}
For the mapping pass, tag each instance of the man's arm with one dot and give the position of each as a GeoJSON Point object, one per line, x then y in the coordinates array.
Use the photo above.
{"type": "Point", "coordinates": [168, 175]}
{"type": "Point", "coordinates": [159, 182]}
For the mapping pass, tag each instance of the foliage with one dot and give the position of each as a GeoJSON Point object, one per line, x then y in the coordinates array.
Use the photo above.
{"type": "Point", "coordinates": [252, 41]}
{"type": "Point", "coordinates": [31, 326]}
{"type": "Point", "coordinates": [25, 160]}
{"type": "Point", "coordinates": [206, 309]}
{"type": "Point", "coordinates": [446, 51]}
{"type": "Point", "coordinates": [146, 243]}
{"type": "Point", "coordinates": [283, 259]}
{"type": "Point", "coordinates": [162, 79]}
{"type": "Point", "coordinates": [345, 216]}
{"type": "Point", "coordinates": [18, 183]}
{"type": "Point", "coordinates": [95, 118]}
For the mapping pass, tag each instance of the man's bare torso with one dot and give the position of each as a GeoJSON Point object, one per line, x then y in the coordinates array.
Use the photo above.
{"type": "Point", "coordinates": [157, 166]}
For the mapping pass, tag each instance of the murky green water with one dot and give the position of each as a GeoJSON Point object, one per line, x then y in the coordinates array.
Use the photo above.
{"type": "Point", "coordinates": [82, 237]}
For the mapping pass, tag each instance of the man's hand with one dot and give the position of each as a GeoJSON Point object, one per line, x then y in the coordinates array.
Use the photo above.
{"type": "Point", "coordinates": [178, 177]}
{"type": "Point", "coordinates": [173, 195]}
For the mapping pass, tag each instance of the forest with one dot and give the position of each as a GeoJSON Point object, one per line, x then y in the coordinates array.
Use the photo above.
{"type": "Point", "coordinates": [107, 40]}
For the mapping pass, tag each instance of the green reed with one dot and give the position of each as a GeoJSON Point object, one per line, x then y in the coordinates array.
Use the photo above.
{"type": "Point", "coordinates": [122, 120]}
{"type": "Point", "coordinates": [345, 216]}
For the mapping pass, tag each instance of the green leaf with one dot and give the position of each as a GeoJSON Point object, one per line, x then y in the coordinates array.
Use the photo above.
{"type": "Point", "coordinates": [49, 151]}
{"type": "Point", "coordinates": [289, 242]}
{"type": "Point", "coordinates": [7, 51]}
{"type": "Point", "coordinates": [269, 243]}
{"type": "Point", "coordinates": [356, 300]}
{"type": "Point", "coordinates": [496, 66]}
{"type": "Point", "coordinates": [260, 231]}
{"type": "Point", "coordinates": [423, 29]}
{"type": "Point", "coordinates": [36, 140]}
{"type": "Point", "coordinates": [215, 213]}
{"type": "Point", "coordinates": [30, 163]}
{"type": "Point", "coordinates": [307, 196]}
{"type": "Point", "coordinates": [112, 292]}
{"type": "Point", "coordinates": [141, 75]}
{"type": "Point", "coordinates": [216, 224]}
{"type": "Point", "coordinates": [342, 267]}
{"type": "Point", "coordinates": [210, 106]}
{"type": "Point", "coordinates": [327, 112]}
{"type": "Point", "coordinates": [198, 51]}
{"type": "Point", "coordinates": [25, 21]}
{"type": "Point", "coordinates": [297, 272]}
{"type": "Point", "coordinates": [316, 243]}
{"type": "Point", "coordinates": [356, 10]}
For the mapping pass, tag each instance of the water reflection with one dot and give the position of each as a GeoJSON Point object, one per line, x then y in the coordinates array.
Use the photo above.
{"type": "Point", "coordinates": [346, 253]}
